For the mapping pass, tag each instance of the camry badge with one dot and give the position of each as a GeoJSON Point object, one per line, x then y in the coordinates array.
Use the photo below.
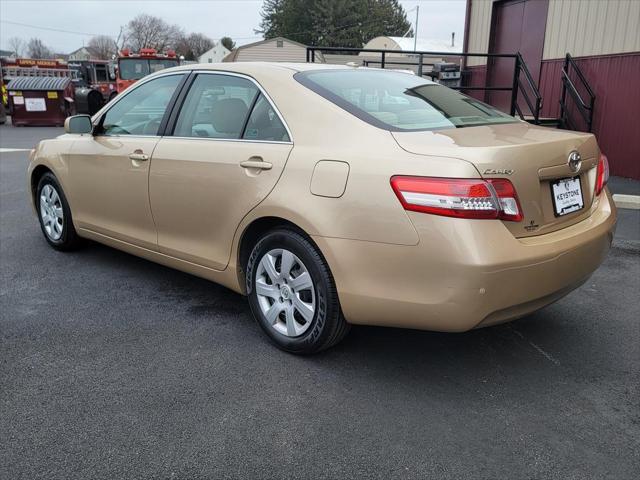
{"type": "Point", "coordinates": [498, 171]}
{"type": "Point", "coordinates": [574, 161]}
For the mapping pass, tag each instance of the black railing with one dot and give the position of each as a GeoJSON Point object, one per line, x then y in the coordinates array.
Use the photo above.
{"type": "Point", "coordinates": [535, 104]}
{"type": "Point", "coordinates": [585, 108]}
{"type": "Point", "coordinates": [527, 89]}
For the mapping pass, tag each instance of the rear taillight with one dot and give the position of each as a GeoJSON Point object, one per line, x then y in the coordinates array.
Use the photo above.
{"type": "Point", "coordinates": [508, 198]}
{"type": "Point", "coordinates": [603, 174]}
{"type": "Point", "coordinates": [458, 197]}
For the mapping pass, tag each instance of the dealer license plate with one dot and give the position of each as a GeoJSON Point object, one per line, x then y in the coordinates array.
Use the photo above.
{"type": "Point", "coordinates": [567, 196]}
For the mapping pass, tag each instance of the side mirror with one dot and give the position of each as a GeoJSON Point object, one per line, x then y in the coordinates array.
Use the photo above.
{"type": "Point", "coordinates": [78, 124]}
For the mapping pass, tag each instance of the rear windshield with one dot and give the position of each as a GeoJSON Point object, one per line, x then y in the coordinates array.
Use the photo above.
{"type": "Point", "coordinates": [400, 101]}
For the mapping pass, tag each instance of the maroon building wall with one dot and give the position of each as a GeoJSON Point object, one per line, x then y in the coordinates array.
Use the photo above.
{"type": "Point", "coordinates": [615, 80]}
{"type": "Point", "coordinates": [475, 77]}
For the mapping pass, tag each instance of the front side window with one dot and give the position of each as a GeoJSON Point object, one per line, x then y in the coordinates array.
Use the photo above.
{"type": "Point", "coordinates": [400, 101]}
{"type": "Point", "coordinates": [216, 106]}
{"type": "Point", "coordinates": [140, 111]}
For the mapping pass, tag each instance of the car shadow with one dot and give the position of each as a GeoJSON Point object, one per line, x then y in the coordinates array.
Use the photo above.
{"type": "Point", "coordinates": [391, 352]}
{"type": "Point", "coordinates": [512, 352]}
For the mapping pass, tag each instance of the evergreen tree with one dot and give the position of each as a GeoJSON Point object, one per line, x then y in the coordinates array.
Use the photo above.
{"type": "Point", "coordinates": [333, 23]}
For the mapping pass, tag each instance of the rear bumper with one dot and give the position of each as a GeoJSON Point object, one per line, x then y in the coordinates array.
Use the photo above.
{"type": "Point", "coordinates": [465, 274]}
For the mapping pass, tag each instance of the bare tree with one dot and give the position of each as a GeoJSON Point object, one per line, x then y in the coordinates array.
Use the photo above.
{"type": "Point", "coordinates": [193, 45]}
{"type": "Point", "coordinates": [16, 45]}
{"type": "Point", "coordinates": [147, 31]}
{"type": "Point", "coordinates": [199, 43]}
{"type": "Point", "coordinates": [103, 45]}
{"type": "Point", "coordinates": [37, 49]}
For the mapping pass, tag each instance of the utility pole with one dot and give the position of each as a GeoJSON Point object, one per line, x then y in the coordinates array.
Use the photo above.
{"type": "Point", "coordinates": [415, 33]}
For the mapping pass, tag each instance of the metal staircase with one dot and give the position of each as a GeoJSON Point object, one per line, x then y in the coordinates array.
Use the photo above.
{"type": "Point", "coordinates": [574, 81]}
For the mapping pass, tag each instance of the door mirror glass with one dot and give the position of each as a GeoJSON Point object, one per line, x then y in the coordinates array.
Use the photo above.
{"type": "Point", "coordinates": [78, 124]}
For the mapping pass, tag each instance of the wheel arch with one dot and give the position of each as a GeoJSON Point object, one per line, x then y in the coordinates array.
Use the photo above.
{"type": "Point", "coordinates": [36, 175]}
{"type": "Point", "coordinates": [253, 231]}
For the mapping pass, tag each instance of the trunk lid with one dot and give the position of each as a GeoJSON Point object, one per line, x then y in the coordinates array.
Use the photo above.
{"type": "Point", "coordinates": [531, 157]}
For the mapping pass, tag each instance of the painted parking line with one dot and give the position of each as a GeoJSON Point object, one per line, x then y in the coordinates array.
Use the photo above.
{"type": "Point", "coordinates": [632, 202]}
{"type": "Point", "coordinates": [7, 150]}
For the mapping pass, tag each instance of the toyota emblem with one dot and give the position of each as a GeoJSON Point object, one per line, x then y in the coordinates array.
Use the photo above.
{"type": "Point", "coordinates": [574, 160]}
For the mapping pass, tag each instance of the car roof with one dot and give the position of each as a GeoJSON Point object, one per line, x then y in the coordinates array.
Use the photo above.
{"type": "Point", "coordinates": [257, 69]}
{"type": "Point", "coordinates": [246, 67]}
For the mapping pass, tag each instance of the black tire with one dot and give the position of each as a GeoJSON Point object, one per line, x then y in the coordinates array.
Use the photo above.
{"type": "Point", "coordinates": [69, 239]}
{"type": "Point", "coordinates": [328, 325]}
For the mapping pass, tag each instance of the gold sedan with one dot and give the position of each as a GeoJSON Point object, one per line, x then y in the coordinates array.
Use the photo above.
{"type": "Point", "coordinates": [332, 196]}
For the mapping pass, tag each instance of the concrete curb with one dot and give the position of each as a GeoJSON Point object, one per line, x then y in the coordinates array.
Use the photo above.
{"type": "Point", "coordinates": [628, 246]}
{"type": "Point", "coordinates": [631, 202]}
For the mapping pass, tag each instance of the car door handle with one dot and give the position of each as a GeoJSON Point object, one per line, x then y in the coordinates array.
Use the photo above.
{"type": "Point", "coordinates": [138, 156]}
{"type": "Point", "coordinates": [256, 164]}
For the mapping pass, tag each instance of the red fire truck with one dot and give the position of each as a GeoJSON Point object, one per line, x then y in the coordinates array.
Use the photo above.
{"type": "Point", "coordinates": [131, 67]}
{"type": "Point", "coordinates": [95, 74]}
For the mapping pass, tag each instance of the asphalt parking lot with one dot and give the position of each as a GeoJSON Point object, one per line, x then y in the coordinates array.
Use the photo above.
{"type": "Point", "coordinates": [115, 367]}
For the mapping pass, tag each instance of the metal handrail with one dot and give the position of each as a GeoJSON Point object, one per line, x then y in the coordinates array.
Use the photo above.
{"type": "Point", "coordinates": [581, 76]}
{"type": "Point", "coordinates": [586, 110]}
{"type": "Point", "coordinates": [582, 108]}
{"type": "Point", "coordinates": [535, 109]}
{"type": "Point", "coordinates": [412, 52]}
{"type": "Point", "coordinates": [526, 97]}
{"type": "Point", "coordinates": [529, 77]}
{"type": "Point", "coordinates": [574, 91]}
{"type": "Point", "coordinates": [516, 86]}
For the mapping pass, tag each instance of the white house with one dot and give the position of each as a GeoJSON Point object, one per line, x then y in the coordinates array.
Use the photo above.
{"type": "Point", "coordinates": [85, 54]}
{"type": "Point", "coordinates": [214, 54]}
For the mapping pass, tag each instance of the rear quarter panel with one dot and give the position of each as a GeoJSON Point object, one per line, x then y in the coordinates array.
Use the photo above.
{"type": "Point", "coordinates": [368, 209]}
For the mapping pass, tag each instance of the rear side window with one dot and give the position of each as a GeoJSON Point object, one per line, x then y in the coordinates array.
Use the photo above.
{"type": "Point", "coordinates": [264, 123]}
{"type": "Point", "coordinates": [400, 101]}
{"type": "Point", "coordinates": [216, 106]}
{"type": "Point", "coordinates": [228, 107]}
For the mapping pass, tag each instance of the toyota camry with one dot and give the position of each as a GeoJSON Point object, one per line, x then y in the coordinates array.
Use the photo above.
{"type": "Point", "coordinates": [331, 196]}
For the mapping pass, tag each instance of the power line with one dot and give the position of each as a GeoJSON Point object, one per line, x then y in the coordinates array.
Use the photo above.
{"type": "Point", "coordinates": [39, 27]}
{"type": "Point", "coordinates": [52, 29]}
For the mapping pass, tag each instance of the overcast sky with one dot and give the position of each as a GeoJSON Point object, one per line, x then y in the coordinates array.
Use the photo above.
{"type": "Point", "coordinates": [64, 25]}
